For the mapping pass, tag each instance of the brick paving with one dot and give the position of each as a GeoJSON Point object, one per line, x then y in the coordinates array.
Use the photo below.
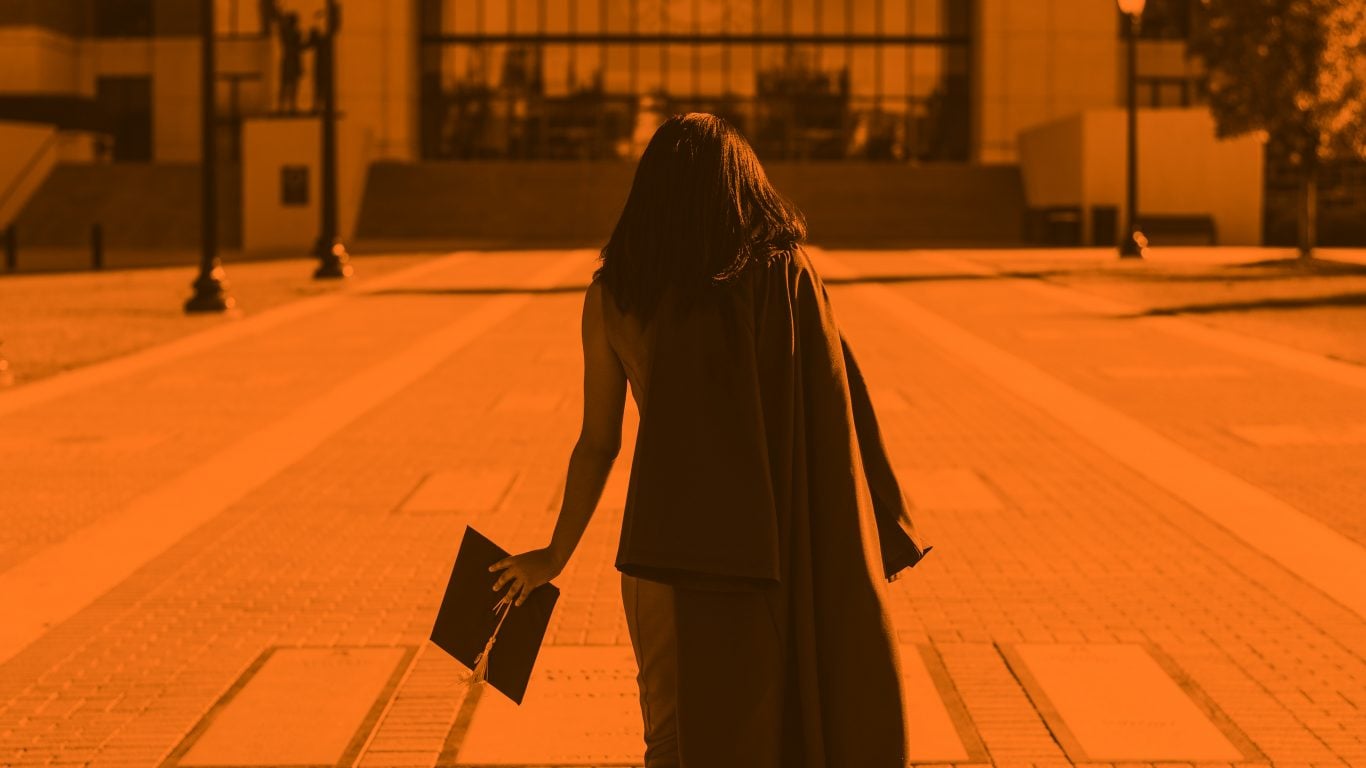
{"type": "Point", "coordinates": [55, 322]}
{"type": "Point", "coordinates": [1199, 397]}
{"type": "Point", "coordinates": [1081, 549]}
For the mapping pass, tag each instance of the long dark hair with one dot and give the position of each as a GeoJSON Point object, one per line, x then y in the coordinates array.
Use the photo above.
{"type": "Point", "coordinates": [701, 209]}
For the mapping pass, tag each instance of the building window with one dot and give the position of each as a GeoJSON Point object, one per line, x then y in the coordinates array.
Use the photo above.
{"type": "Point", "coordinates": [880, 80]}
{"type": "Point", "coordinates": [123, 18]}
{"type": "Point", "coordinates": [1170, 92]}
{"type": "Point", "coordinates": [294, 185]}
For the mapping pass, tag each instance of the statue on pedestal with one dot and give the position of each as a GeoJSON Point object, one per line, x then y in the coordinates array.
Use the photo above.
{"type": "Point", "coordinates": [269, 13]}
{"type": "Point", "coordinates": [320, 40]}
{"type": "Point", "coordinates": [291, 62]}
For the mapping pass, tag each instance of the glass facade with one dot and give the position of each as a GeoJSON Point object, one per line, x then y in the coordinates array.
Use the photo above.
{"type": "Point", "coordinates": [882, 80]}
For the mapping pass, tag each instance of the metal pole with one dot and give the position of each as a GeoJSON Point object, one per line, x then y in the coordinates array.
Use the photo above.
{"type": "Point", "coordinates": [96, 246]}
{"type": "Point", "coordinates": [11, 248]}
{"type": "Point", "coordinates": [6, 375]}
{"type": "Point", "coordinates": [1131, 246]}
{"type": "Point", "coordinates": [333, 261]}
{"type": "Point", "coordinates": [210, 288]}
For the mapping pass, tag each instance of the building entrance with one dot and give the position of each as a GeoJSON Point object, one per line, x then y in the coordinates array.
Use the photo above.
{"type": "Point", "coordinates": [127, 104]}
{"type": "Point", "coordinates": [873, 80]}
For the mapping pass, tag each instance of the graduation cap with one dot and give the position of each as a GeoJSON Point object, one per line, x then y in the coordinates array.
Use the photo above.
{"type": "Point", "coordinates": [482, 629]}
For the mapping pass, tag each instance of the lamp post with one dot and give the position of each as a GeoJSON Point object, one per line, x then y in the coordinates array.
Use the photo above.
{"type": "Point", "coordinates": [1132, 244]}
{"type": "Point", "coordinates": [210, 288]}
{"type": "Point", "coordinates": [333, 261]}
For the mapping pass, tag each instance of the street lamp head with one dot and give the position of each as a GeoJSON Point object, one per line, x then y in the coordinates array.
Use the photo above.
{"type": "Point", "coordinates": [1132, 7]}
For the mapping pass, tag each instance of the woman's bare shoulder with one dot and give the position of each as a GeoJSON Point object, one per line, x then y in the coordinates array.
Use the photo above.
{"type": "Point", "coordinates": [593, 304]}
{"type": "Point", "coordinates": [598, 298]}
{"type": "Point", "coordinates": [600, 308]}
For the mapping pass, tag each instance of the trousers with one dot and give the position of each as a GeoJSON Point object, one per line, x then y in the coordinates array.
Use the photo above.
{"type": "Point", "coordinates": [711, 674]}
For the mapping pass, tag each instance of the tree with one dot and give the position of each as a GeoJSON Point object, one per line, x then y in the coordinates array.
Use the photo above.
{"type": "Point", "coordinates": [1292, 69]}
{"type": "Point", "coordinates": [1342, 80]}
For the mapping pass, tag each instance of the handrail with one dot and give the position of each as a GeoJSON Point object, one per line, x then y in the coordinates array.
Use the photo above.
{"type": "Point", "coordinates": [27, 170]}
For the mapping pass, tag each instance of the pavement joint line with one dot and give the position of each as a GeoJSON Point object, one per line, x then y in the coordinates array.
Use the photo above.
{"type": "Point", "coordinates": [1311, 550]}
{"type": "Point", "coordinates": [1205, 728]}
{"type": "Point", "coordinates": [88, 376]}
{"type": "Point", "coordinates": [57, 582]}
{"type": "Point", "coordinates": [1289, 358]}
{"type": "Point", "coordinates": [385, 704]}
{"type": "Point", "coordinates": [952, 700]}
{"type": "Point", "coordinates": [364, 728]}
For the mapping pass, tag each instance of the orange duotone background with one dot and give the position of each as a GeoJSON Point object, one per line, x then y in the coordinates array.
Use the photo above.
{"type": "Point", "coordinates": [226, 524]}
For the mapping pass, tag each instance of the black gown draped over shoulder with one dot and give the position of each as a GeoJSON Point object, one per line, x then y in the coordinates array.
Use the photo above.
{"type": "Point", "coordinates": [759, 467]}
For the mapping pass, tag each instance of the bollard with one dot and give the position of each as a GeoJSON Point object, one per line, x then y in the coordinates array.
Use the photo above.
{"type": "Point", "coordinates": [6, 375]}
{"type": "Point", "coordinates": [11, 249]}
{"type": "Point", "coordinates": [96, 246]}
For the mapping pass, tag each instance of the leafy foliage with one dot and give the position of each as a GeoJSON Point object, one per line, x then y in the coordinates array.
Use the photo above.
{"type": "Point", "coordinates": [1342, 81]}
{"type": "Point", "coordinates": [1295, 69]}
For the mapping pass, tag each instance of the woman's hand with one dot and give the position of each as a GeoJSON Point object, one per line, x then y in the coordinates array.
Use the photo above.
{"type": "Point", "coordinates": [525, 572]}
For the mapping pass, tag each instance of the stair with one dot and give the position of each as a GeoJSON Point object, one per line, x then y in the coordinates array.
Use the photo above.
{"type": "Point", "coordinates": [138, 206]}
{"type": "Point", "coordinates": [577, 203]}
{"type": "Point", "coordinates": [517, 203]}
{"type": "Point", "coordinates": [881, 205]}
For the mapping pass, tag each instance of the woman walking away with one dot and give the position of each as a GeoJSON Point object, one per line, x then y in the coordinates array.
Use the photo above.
{"type": "Point", "coordinates": [762, 519]}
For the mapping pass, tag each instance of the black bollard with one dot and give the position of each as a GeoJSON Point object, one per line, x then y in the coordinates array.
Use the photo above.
{"type": "Point", "coordinates": [11, 249]}
{"type": "Point", "coordinates": [96, 246]}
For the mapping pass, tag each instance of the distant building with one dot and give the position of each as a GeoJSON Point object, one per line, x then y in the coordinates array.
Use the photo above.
{"type": "Point", "coordinates": [891, 121]}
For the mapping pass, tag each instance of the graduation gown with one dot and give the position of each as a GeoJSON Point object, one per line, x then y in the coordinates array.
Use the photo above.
{"type": "Point", "coordinates": [759, 468]}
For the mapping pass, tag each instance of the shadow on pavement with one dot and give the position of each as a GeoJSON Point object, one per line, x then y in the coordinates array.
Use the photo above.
{"type": "Point", "coordinates": [951, 277]}
{"type": "Point", "coordinates": [1257, 271]}
{"type": "Point", "coordinates": [477, 290]}
{"type": "Point", "coordinates": [1297, 302]}
{"type": "Point", "coordinates": [493, 290]}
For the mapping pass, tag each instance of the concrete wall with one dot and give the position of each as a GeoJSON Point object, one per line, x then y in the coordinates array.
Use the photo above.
{"type": "Point", "coordinates": [175, 98]}
{"type": "Point", "coordinates": [173, 65]}
{"type": "Point", "coordinates": [378, 94]}
{"type": "Point", "coordinates": [27, 154]}
{"type": "Point", "coordinates": [1183, 168]}
{"type": "Point", "coordinates": [1038, 61]}
{"type": "Point", "coordinates": [378, 82]}
{"type": "Point", "coordinates": [36, 59]}
{"type": "Point", "coordinates": [1051, 158]}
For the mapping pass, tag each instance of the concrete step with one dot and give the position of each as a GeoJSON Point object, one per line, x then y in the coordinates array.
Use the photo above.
{"type": "Point", "coordinates": [577, 203]}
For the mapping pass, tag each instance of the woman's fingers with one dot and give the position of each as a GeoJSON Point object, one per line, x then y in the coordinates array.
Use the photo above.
{"type": "Point", "coordinates": [507, 576]}
{"type": "Point", "coordinates": [518, 585]}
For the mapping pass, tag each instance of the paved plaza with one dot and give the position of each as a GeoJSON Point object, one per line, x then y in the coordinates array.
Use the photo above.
{"type": "Point", "coordinates": [227, 549]}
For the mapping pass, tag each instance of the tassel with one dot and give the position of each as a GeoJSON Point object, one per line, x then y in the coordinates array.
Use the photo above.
{"type": "Point", "coordinates": [481, 662]}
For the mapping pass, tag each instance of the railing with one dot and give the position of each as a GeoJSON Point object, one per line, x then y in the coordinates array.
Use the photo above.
{"type": "Point", "coordinates": [17, 183]}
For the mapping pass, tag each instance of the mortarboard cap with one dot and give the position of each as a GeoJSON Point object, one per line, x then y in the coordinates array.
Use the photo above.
{"type": "Point", "coordinates": [471, 613]}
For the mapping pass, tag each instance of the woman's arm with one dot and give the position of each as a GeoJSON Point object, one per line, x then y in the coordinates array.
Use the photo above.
{"type": "Point", "coordinates": [604, 398]}
{"type": "Point", "coordinates": [901, 543]}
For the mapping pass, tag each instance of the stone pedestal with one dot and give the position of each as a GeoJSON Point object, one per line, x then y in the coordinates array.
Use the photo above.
{"type": "Point", "coordinates": [280, 184]}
